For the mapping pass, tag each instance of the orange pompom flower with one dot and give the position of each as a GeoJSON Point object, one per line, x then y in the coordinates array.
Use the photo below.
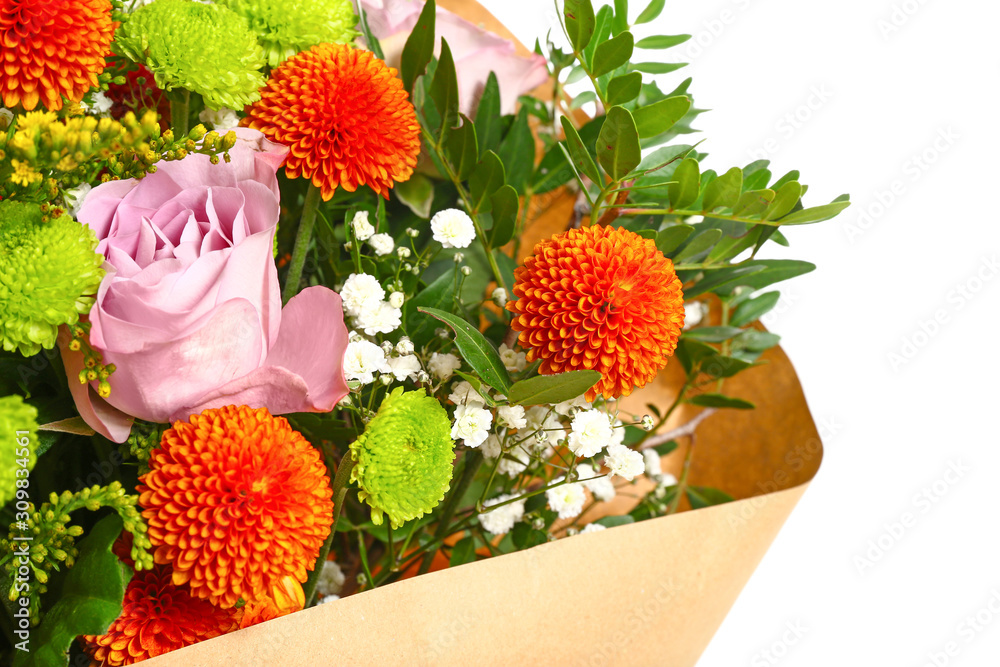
{"type": "Point", "coordinates": [344, 116]}
{"type": "Point", "coordinates": [238, 503]}
{"type": "Point", "coordinates": [599, 298]}
{"type": "Point", "coordinates": [157, 617]}
{"type": "Point", "coordinates": [51, 48]}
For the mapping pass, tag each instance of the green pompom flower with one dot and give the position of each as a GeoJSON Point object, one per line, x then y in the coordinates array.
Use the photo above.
{"type": "Point", "coordinates": [403, 460]}
{"type": "Point", "coordinates": [207, 49]}
{"type": "Point", "coordinates": [49, 273]}
{"type": "Point", "coordinates": [17, 432]}
{"type": "Point", "coordinates": [286, 27]}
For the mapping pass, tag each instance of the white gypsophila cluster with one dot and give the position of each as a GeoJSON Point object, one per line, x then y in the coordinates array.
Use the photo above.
{"type": "Point", "coordinates": [666, 479]}
{"type": "Point", "coordinates": [453, 228]}
{"type": "Point", "coordinates": [491, 447]}
{"type": "Point", "coordinates": [75, 196]}
{"type": "Point", "coordinates": [511, 416]}
{"type": "Point", "coordinates": [566, 500]}
{"type": "Point", "coordinates": [541, 420]}
{"type": "Point", "coordinates": [472, 424]}
{"type": "Point", "coordinates": [99, 105]}
{"type": "Point", "coordinates": [499, 296]}
{"type": "Point", "coordinates": [362, 359]}
{"type": "Point", "coordinates": [624, 462]}
{"type": "Point", "coordinates": [593, 528]}
{"type": "Point", "coordinates": [652, 462]}
{"type": "Point", "coordinates": [381, 244]}
{"type": "Point", "coordinates": [362, 228]}
{"type": "Point", "coordinates": [381, 318]}
{"type": "Point", "coordinates": [502, 519]}
{"type": "Point", "coordinates": [513, 360]}
{"type": "Point", "coordinates": [221, 120]}
{"type": "Point", "coordinates": [617, 434]}
{"type": "Point", "coordinates": [515, 461]}
{"type": "Point", "coordinates": [463, 393]}
{"type": "Point", "coordinates": [567, 408]}
{"type": "Point", "coordinates": [328, 599]}
{"type": "Point", "coordinates": [404, 366]}
{"type": "Point", "coordinates": [602, 487]}
{"type": "Point", "coordinates": [590, 432]}
{"type": "Point", "coordinates": [694, 312]}
{"type": "Point", "coordinates": [361, 292]}
{"type": "Point", "coordinates": [441, 366]}
{"type": "Point", "coordinates": [331, 579]}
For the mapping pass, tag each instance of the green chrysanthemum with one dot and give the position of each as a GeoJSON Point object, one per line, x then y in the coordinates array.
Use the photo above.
{"type": "Point", "coordinates": [286, 27]}
{"type": "Point", "coordinates": [403, 460]}
{"type": "Point", "coordinates": [49, 273]}
{"type": "Point", "coordinates": [17, 433]}
{"type": "Point", "coordinates": [207, 49]}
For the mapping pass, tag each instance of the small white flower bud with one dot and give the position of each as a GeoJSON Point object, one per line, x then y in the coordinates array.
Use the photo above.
{"type": "Point", "coordinates": [499, 297]}
{"type": "Point", "coordinates": [403, 252]}
{"type": "Point", "coordinates": [458, 257]}
{"type": "Point", "coordinates": [404, 346]}
{"type": "Point", "coordinates": [396, 299]}
{"type": "Point", "coordinates": [647, 422]}
{"type": "Point", "coordinates": [466, 271]}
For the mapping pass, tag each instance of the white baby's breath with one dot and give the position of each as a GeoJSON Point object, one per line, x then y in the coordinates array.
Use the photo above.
{"type": "Point", "coordinates": [363, 229]}
{"type": "Point", "coordinates": [382, 244]}
{"type": "Point", "coordinates": [566, 499]}
{"type": "Point", "coordinates": [362, 360]}
{"type": "Point", "coordinates": [472, 424]}
{"type": "Point", "coordinates": [624, 462]}
{"type": "Point", "coordinates": [502, 519]}
{"type": "Point", "coordinates": [361, 292]}
{"type": "Point", "coordinates": [453, 228]}
{"type": "Point", "coordinates": [590, 432]}
{"type": "Point", "coordinates": [442, 366]}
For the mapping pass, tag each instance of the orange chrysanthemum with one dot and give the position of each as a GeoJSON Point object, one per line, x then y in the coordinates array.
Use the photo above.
{"type": "Point", "coordinates": [345, 117]}
{"type": "Point", "coordinates": [599, 298]}
{"type": "Point", "coordinates": [157, 617]}
{"type": "Point", "coordinates": [52, 48]}
{"type": "Point", "coordinates": [236, 501]}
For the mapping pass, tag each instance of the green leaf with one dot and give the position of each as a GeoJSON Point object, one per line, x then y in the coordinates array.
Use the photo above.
{"type": "Point", "coordinates": [366, 32]}
{"type": "Point", "coordinates": [579, 16]}
{"type": "Point", "coordinates": [720, 401]}
{"type": "Point", "coordinates": [463, 150]}
{"type": "Point", "coordinates": [612, 54]}
{"type": "Point", "coordinates": [757, 341]}
{"type": "Point", "coordinates": [751, 310]}
{"type": "Point", "coordinates": [657, 118]}
{"type": "Point", "coordinates": [785, 199]}
{"type": "Point", "coordinates": [723, 191]}
{"type": "Point", "coordinates": [775, 270]}
{"type": "Point", "coordinates": [620, 21]}
{"type": "Point", "coordinates": [661, 41]}
{"type": "Point", "coordinates": [691, 353]}
{"type": "Point", "coordinates": [463, 552]}
{"type": "Point", "coordinates": [725, 278]}
{"type": "Point", "coordinates": [618, 148]}
{"type": "Point", "coordinates": [518, 152]}
{"type": "Point", "coordinates": [525, 537]}
{"type": "Point", "coordinates": [480, 388]}
{"type": "Point", "coordinates": [699, 244]}
{"type": "Point", "coordinates": [651, 11]}
{"type": "Point", "coordinates": [713, 334]}
{"type": "Point", "coordinates": [687, 182]}
{"type": "Point", "coordinates": [505, 206]}
{"type": "Point", "coordinates": [581, 157]}
{"type": "Point", "coordinates": [417, 193]}
{"type": "Point", "coordinates": [602, 32]}
{"type": "Point", "coordinates": [439, 294]}
{"type": "Point", "coordinates": [419, 47]}
{"type": "Point", "coordinates": [815, 214]}
{"type": "Point", "coordinates": [444, 89]}
{"type": "Point", "coordinates": [476, 350]}
{"type": "Point", "coordinates": [552, 388]}
{"type": "Point", "coordinates": [553, 170]}
{"type": "Point", "coordinates": [487, 178]}
{"type": "Point", "coordinates": [624, 88]}
{"type": "Point", "coordinates": [90, 600]}
{"type": "Point", "coordinates": [489, 122]}
{"type": "Point", "coordinates": [657, 68]}
{"type": "Point", "coordinates": [704, 496]}
{"type": "Point", "coordinates": [753, 203]}
{"type": "Point", "coordinates": [719, 366]}
{"type": "Point", "coordinates": [612, 521]}
{"type": "Point", "coordinates": [672, 237]}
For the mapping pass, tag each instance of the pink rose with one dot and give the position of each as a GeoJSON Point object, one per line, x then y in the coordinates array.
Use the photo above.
{"type": "Point", "coordinates": [190, 311]}
{"type": "Point", "coordinates": [477, 52]}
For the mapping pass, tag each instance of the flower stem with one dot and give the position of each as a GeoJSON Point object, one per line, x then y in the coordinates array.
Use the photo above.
{"type": "Point", "coordinates": [682, 483]}
{"type": "Point", "coordinates": [179, 112]}
{"type": "Point", "coordinates": [302, 239]}
{"type": "Point", "coordinates": [473, 459]}
{"type": "Point", "coordinates": [340, 486]}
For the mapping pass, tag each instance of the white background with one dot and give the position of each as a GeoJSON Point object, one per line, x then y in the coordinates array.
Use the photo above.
{"type": "Point", "coordinates": [886, 93]}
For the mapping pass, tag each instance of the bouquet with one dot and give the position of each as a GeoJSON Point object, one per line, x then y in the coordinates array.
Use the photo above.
{"type": "Point", "coordinates": [302, 299]}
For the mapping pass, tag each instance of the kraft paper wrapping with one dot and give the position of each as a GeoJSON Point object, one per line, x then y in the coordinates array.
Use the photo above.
{"type": "Point", "coordinates": [650, 593]}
